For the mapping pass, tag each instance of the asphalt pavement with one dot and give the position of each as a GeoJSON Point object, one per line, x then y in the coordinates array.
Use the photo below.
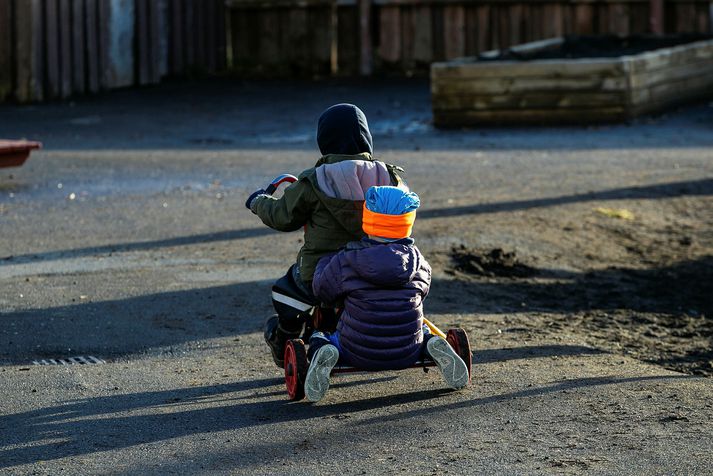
{"type": "Point", "coordinates": [126, 240]}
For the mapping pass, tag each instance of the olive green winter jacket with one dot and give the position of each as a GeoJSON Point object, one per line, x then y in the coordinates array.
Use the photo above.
{"type": "Point", "coordinates": [327, 201]}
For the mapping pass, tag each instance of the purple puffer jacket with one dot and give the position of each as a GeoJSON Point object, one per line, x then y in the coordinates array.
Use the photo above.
{"type": "Point", "coordinates": [383, 286]}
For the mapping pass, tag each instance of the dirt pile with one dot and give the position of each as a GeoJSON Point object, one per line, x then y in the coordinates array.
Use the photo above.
{"type": "Point", "coordinates": [491, 263]}
{"type": "Point", "coordinates": [663, 315]}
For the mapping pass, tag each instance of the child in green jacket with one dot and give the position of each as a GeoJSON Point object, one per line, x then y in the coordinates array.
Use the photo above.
{"type": "Point", "coordinates": [327, 200]}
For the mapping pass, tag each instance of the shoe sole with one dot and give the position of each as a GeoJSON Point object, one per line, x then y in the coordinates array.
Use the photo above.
{"type": "Point", "coordinates": [452, 367]}
{"type": "Point", "coordinates": [317, 380]}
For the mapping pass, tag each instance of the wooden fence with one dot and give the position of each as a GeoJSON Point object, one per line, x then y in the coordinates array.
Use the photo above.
{"type": "Point", "coordinates": [348, 37]}
{"type": "Point", "coordinates": [55, 48]}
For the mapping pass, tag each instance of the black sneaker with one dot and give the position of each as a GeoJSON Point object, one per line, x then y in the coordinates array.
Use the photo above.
{"type": "Point", "coordinates": [276, 338]}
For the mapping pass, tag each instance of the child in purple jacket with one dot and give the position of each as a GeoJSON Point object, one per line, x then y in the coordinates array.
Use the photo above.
{"type": "Point", "coordinates": [382, 281]}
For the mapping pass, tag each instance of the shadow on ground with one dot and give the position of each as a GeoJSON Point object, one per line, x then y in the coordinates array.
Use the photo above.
{"type": "Point", "coordinates": [662, 315]}
{"type": "Point", "coordinates": [649, 192]}
{"type": "Point", "coordinates": [122, 327]}
{"type": "Point", "coordinates": [702, 187]}
{"type": "Point", "coordinates": [208, 410]}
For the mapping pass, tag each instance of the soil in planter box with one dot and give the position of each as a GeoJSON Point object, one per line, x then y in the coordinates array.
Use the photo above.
{"type": "Point", "coordinates": [604, 46]}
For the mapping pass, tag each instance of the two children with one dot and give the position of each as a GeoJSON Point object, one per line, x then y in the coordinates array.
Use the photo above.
{"type": "Point", "coordinates": [381, 279]}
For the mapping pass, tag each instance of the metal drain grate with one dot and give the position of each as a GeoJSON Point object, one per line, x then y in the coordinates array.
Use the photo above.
{"type": "Point", "coordinates": [79, 360]}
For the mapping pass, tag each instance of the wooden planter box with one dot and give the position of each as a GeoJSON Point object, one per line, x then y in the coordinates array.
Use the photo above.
{"type": "Point", "coordinates": [15, 153]}
{"type": "Point", "coordinates": [469, 92]}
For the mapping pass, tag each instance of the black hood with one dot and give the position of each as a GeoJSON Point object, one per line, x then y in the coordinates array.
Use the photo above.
{"type": "Point", "coordinates": [342, 129]}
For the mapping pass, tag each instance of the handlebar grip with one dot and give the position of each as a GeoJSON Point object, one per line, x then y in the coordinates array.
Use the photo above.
{"type": "Point", "coordinates": [272, 188]}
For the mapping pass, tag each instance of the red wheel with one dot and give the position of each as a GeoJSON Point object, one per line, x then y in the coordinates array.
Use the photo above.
{"type": "Point", "coordinates": [295, 369]}
{"type": "Point", "coordinates": [458, 339]}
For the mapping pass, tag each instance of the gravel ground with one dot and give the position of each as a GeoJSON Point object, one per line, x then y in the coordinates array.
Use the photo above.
{"type": "Point", "coordinates": [578, 259]}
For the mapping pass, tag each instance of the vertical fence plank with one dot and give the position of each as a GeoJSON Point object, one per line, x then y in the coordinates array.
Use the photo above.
{"type": "Point", "coordinates": [104, 7]}
{"type": "Point", "coordinates": [78, 47]}
{"type": "Point", "coordinates": [657, 22]}
{"type": "Point", "coordinates": [269, 38]}
{"type": "Point", "coordinates": [142, 42]}
{"type": "Point", "coordinates": [269, 54]}
{"type": "Point", "coordinates": [639, 18]}
{"type": "Point", "coordinates": [618, 18]}
{"type": "Point", "coordinates": [6, 58]}
{"type": "Point", "coordinates": [295, 38]}
{"type": "Point", "coordinates": [496, 21]}
{"type": "Point", "coordinates": [471, 30]}
{"type": "Point", "coordinates": [119, 48]}
{"type": "Point", "coordinates": [163, 38]}
{"type": "Point", "coordinates": [685, 17]}
{"type": "Point", "coordinates": [533, 30]}
{"type": "Point", "coordinates": [602, 16]}
{"type": "Point", "coordinates": [25, 48]}
{"type": "Point", "coordinates": [437, 33]}
{"type": "Point", "coordinates": [515, 18]}
{"type": "Point", "coordinates": [176, 37]}
{"type": "Point", "coordinates": [155, 35]}
{"type": "Point", "coordinates": [318, 28]}
{"type": "Point", "coordinates": [422, 34]}
{"type": "Point", "coordinates": [407, 40]}
{"type": "Point", "coordinates": [91, 20]}
{"type": "Point", "coordinates": [484, 43]}
{"type": "Point", "coordinates": [222, 34]}
{"type": "Point", "coordinates": [568, 19]}
{"type": "Point", "coordinates": [199, 29]}
{"type": "Point", "coordinates": [348, 41]}
{"type": "Point", "coordinates": [366, 54]}
{"type": "Point", "coordinates": [211, 36]}
{"type": "Point", "coordinates": [552, 13]}
{"type": "Point", "coordinates": [188, 34]}
{"type": "Point", "coordinates": [390, 33]}
{"type": "Point", "coordinates": [65, 36]}
{"type": "Point", "coordinates": [454, 30]}
{"type": "Point", "coordinates": [333, 38]}
{"type": "Point", "coordinates": [501, 26]}
{"type": "Point", "coordinates": [52, 48]}
{"type": "Point", "coordinates": [238, 41]}
{"type": "Point", "coordinates": [702, 17]}
{"type": "Point", "coordinates": [584, 19]}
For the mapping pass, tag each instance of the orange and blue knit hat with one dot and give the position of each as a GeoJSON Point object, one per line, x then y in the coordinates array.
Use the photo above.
{"type": "Point", "coordinates": [389, 212]}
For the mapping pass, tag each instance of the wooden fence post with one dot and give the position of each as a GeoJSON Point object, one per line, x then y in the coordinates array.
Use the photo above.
{"type": "Point", "coordinates": [29, 50]}
{"type": "Point", "coordinates": [78, 47]}
{"type": "Point", "coordinates": [366, 60]}
{"type": "Point", "coordinates": [454, 29]}
{"type": "Point", "coordinates": [656, 16]}
{"type": "Point", "coordinates": [118, 48]}
{"type": "Point", "coordinates": [390, 33]}
{"type": "Point", "coordinates": [334, 38]}
{"type": "Point", "coordinates": [6, 59]}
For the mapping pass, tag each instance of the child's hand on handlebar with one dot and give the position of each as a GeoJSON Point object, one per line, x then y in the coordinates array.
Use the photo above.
{"type": "Point", "coordinates": [251, 199]}
{"type": "Point", "coordinates": [284, 178]}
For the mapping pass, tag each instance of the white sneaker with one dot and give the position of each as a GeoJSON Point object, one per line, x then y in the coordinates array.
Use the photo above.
{"type": "Point", "coordinates": [317, 380]}
{"type": "Point", "coordinates": [452, 367]}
